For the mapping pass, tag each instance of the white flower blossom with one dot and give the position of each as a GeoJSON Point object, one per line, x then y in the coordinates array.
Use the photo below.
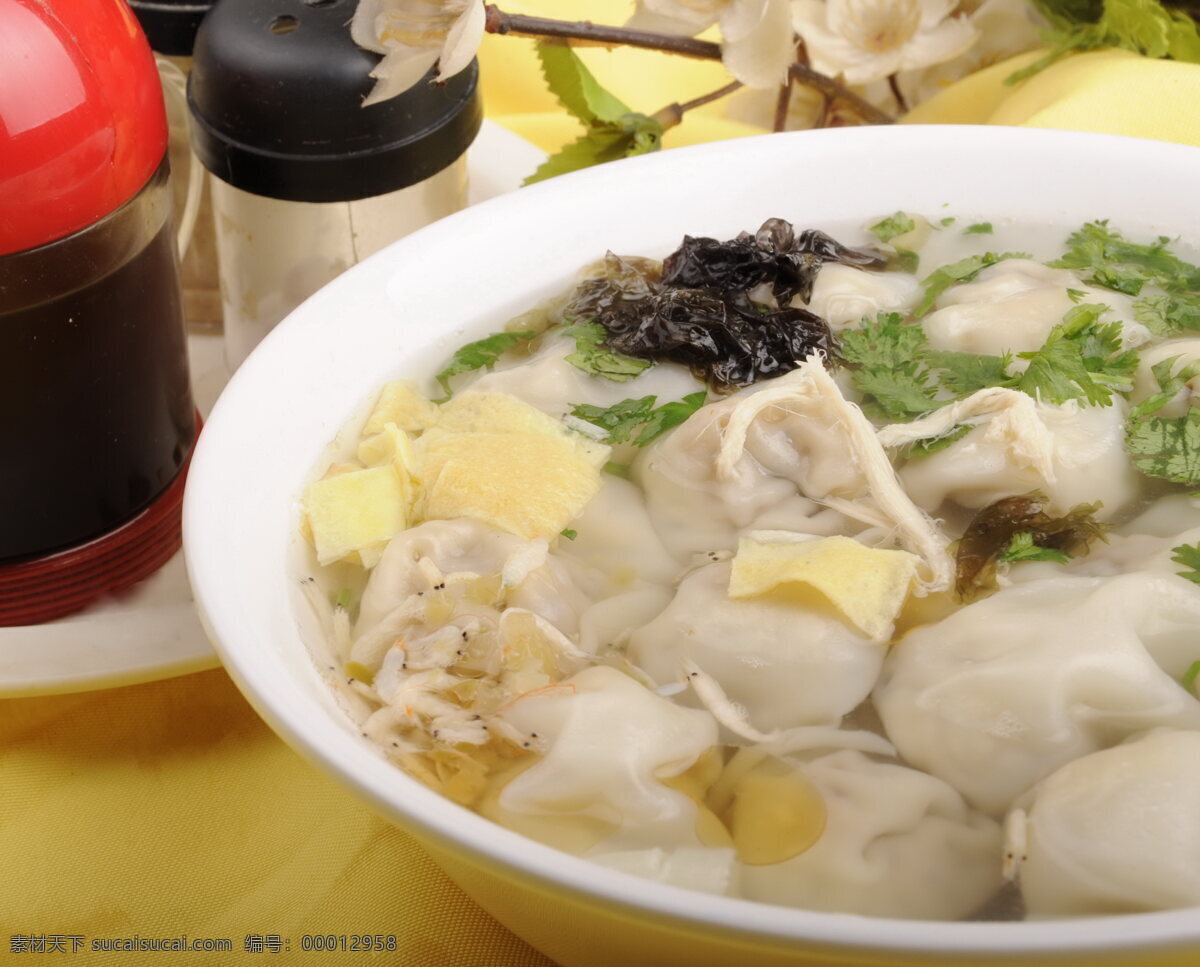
{"type": "Point", "coordinates": [1006, 28]}
{"type": "Point", "coordinates": [757, 44]}
{"type": "Point", "coordinates": [867, 40]}
{"type": "Point", "coordinates": [413, 35]}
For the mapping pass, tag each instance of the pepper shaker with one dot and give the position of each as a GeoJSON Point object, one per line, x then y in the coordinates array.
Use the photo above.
{"type": "Point", "coordinates": [305, 180]}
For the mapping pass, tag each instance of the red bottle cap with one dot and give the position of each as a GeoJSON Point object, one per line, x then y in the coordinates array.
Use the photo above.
{"type": "Point", "coordinates": [82, 124]}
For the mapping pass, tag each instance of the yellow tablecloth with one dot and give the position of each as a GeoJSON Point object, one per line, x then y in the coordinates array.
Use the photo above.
{"type": "Point", "coordinates": [169, 809]}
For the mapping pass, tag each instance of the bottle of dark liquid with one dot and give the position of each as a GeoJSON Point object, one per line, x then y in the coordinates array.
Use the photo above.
{"type": "Point", "coordinates": [96, 415]}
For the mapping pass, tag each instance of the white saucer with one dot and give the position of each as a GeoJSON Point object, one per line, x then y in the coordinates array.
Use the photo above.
{"type": "Point", "coordinates": [153, 632]}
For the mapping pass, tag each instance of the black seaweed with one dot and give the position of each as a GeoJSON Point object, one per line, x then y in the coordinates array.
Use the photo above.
{"type": "Point", "coordinates": [774, 255]}
{"type": "Point", "coordinates": [992, 529]}
{"type": "Point", "coordinates": [707, 310]}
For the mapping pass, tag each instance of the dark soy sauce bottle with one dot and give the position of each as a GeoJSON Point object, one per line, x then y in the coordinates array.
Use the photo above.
{"type": "Point", "coordinates": [96, 414]}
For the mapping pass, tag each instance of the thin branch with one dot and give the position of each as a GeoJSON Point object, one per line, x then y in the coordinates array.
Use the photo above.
{"type": "Point", "coordinates": [782, 102]}
{"type": "Point", "coordinates": [500, 22]}
{"type": "Point", "coordinates": [901, 103]}
{"type": "Point", "coordinates": [586, 32]}
{"type": "Point", "coordinates": [832, 89]}
{"type": "Point", "coordinates": [672, 114]}
{"type": "Point", "coordinates": [823, 113]}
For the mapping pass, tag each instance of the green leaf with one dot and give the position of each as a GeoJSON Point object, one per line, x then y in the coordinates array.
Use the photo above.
{"type": "Point", "coordinates": [961, 271]}
{"type": "Point", "coordinates": [1188, 680]}
{"type": "Point", "coordinates": [965, 373]}
{"type": "Point", "coordinates": [1142, 26]}
{"type": "Point", "coordinates": [1023, 548]}
{"type": "Point", "coordinates": [948, 220]}
{"type": "Point", "coordinates": [1076, 295]}
{"type": "Point", "coordinates": [979, 228]}
{"type": "Point", "coordinates": [481, 354]}
{"type": "Point", "coordinates": [621, 470]}
{"type": "Point", "coordinates": [887, 360]}
{"type": "Point", "coordinates": [1166, 448]}
{"type": "Point", "coordinates": [619, 420]}
{"type": "Point", "coordinates": [1169, 385]}
{"type": "Point", "coordinates": [569, 534]}
{"type": "Point", "coordinates": [923, 448]}
{"type": "Point", "coordinates": [668, 416]}
{"type": "Point", "coordinates": [1188, 555]}
{"type": "Point", "coordinates": [1082, 358]}
{"type": "Point", "coordinates": [893, 226]}
{"type": "Point", "coordinates": [1128, 281]}
{"type": "Point", "coordinates": [907, 260]}
{"type": "Point", "coordinates": [612, 130]}
{"type": "Point", "coordinates": [1165, 315]}
{"type": "Point", "coordinates": [575, 86]}
{"type": "Point", "coordinates": [593, 358]}
{"type": "Point", "coordinates": [623, 418]}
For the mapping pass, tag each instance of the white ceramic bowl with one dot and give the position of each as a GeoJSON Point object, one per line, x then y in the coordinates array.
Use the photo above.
{"type": "Point", "coordinates": [402, 311]}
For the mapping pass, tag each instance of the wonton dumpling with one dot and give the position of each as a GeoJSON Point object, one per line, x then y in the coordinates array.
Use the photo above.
{"type": "Point", "coordinates": [1073, 454]}
{"type": "Point", "coordinates": [695, 510]}
{"type": "Point", "coordinates": [1013, 305]}
{"type": "Point", "coordinates": [1116, 831]}
{"type": "Point", "coordinates": [608, 742]}
{"type": "Point", "coordinates": [843, 295]}
{"type": "Point", "coordinates": [453, 546]}
{"type": "Point", "coordinates": [897, 843]}
{"type": "Point", "coordinates": [614, 536]}
{"type": "Point", "coordinates": [544, 380]}
{"type": "Point", "coordinates": [787, 663]}
{"type": "Point", "coordinates": [769, 458]}
{"type": "Point", "coordinates": [1003, 692]}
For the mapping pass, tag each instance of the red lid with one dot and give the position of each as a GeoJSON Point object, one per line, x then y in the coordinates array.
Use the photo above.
{"type": "Point", "coordinates": [82, 124]}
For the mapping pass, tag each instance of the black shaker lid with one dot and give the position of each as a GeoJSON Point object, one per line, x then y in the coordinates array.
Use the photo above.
{"type": "Point", "coordinates": [276, 93]}
{"type": "Point", "coordinates": [171, 25]}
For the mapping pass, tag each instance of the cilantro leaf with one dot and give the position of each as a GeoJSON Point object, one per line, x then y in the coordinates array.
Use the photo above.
{"type": "Point", "coordinates": [961, 271]}
{"type": "Point", "coordinates": [668, 416]}
{"type": "Point", "coordinates": [619, 420]}
{"type": "Point", "coordinates": [893, 226]}
{"type": "Point", "coordinates": [569, 533]}
{"type": "Point", "coordinates": [906, 260]}
{"type": "Point", "coordinates": [1188, 680]}
{"type": "Point", "coordinates": [887, 359]}
{"type": "Point", "coordinates": [1123, 266]}
{"type": "Point", "coordinates": [979, 228]}
{"type": "Point", "coordinates": [481, 354]}
{"type": "Point", "coordinates": [1165, 315]}
{"type": "Point", "coordinates": [1169, 385]}
{"type": "Point", "coordinates": [623, 418]}
{"type": "Point", "coordinates": [930, 445]}
{"type": "Point", "coordinates": [965, 373]}
{"type": "Point", "coordinates": [612, 130]}
{"type": "Point", "coordinates": [1023, 547]}
{"type": "Point", "coordinates": [1166, 448]}
{"type": "Point", "coordinates": [1081, 358]}
{"type": "Point", "coordinates": [1189, 556]}
{"type": "Point", "coordinates": [594, 358]}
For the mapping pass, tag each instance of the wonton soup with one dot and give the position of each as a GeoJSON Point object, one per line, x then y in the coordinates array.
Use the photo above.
{"type": "Point", "coordinates": [851, 577]}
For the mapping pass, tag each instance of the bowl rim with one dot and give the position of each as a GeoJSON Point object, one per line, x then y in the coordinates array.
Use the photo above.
{"type": "Point", "coordinates": [229, 617]}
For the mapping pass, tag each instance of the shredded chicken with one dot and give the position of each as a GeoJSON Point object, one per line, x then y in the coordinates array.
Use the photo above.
{"type": "Point", "coordinates": [810, 390]}
{"type": "Point", "coordinates": [1012, 419]}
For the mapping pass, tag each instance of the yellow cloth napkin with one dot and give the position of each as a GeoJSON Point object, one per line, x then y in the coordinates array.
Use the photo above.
{"type": "Point", "coordinates": [165, 809]}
